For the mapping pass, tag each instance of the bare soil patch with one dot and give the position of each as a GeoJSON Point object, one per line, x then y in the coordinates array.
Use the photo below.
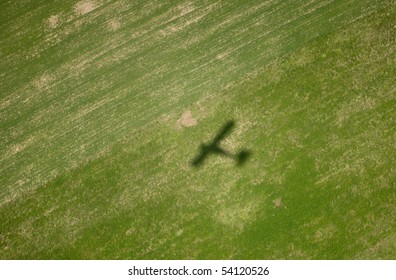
{"type": "Point", "coordinates": [114, 25]}
{"type": "Point", "coordinates": [84, 7]}
{"type": "Point", "coordinates": [53, 21]}
{"type": "Point", "coordinates": [277, 202]}
{"type": "Point", "coordinates": [186, 120]}
{"type": "Point", "coordinates": [43, 81]}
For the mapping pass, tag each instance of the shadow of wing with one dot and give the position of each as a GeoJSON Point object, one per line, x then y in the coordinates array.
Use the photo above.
{"type": "Point", "coordinates": [224, 132]}
{"type": "Point", "coordinates": [198, 160]}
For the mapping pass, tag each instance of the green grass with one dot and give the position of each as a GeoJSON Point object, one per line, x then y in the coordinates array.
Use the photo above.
{"type": "Point", "coordinates": [94, 165]}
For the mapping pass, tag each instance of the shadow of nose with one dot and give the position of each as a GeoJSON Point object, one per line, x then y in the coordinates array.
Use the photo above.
{"type": "Point", "coordinates": [242, 157]}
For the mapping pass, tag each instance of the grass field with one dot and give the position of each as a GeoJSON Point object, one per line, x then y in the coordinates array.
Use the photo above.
{"type": "Point", "coordinates": [105, 104]}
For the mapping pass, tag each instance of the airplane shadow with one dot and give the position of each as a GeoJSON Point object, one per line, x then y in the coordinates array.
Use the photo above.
{"type": "Point", "coordinates": [213, 148]}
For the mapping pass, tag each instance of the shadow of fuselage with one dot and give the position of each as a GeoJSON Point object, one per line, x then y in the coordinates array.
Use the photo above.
{"type": "Point", "coordinates": [213, 148]}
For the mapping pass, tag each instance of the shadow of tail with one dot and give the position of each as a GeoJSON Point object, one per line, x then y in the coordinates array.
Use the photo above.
{"type": "Point", "coordinates": [242, 157]}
